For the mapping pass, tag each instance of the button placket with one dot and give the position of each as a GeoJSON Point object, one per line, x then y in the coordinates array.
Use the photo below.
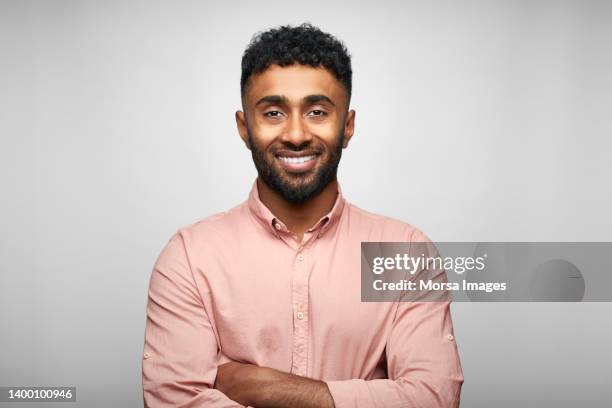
{"type": "Point", "coordinates": [300, 313]}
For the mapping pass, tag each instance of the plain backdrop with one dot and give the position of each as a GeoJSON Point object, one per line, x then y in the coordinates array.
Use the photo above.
{"type": "Point", "coordinates": [476, 121]}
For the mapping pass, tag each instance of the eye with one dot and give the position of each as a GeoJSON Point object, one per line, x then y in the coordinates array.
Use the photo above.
{"type": "Point", "coordinates": [273, 114]}
{"type": "Point", "coordinates": [317, 112]}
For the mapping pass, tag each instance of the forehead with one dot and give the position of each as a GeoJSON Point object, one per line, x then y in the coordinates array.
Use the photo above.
{"type": "Point", "coordinates": [294, 82]}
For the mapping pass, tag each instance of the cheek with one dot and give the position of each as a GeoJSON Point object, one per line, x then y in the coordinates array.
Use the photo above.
{"type": "Point", "coordinates": [326, 131]}
{"type": "Point", "coordinates": [264, 135]}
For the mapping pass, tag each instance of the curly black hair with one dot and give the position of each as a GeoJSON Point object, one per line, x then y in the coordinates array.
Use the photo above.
{"type": "Point", "coordinates": [304, 44]}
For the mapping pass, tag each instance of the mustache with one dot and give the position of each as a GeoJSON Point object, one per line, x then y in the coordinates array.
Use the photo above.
{"type": "Point", "coordinates": [310, 146]}
{"type": "Point", "coordinates": [298, 149]}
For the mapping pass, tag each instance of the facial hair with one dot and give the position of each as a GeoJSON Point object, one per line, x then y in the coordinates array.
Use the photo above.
{"type": "Point", "coordinates": [275, 180]}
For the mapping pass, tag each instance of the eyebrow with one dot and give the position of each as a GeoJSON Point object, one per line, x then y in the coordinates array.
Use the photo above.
{"type": "Point", "coordinates": [282, 100]}
{"type": "Point", "coordinates": [273, 100]}
{"type": "Point", "coordinates": [312, 99]}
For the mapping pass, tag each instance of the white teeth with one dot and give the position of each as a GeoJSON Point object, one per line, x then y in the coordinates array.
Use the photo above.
{"type": "Point", "coordinates": [301, 159]}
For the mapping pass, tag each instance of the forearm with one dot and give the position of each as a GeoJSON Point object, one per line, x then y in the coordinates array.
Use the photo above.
{"type": "Point", "coordinates": [293, 391]}
{"type": "Point", "coordinates": [269, 388]}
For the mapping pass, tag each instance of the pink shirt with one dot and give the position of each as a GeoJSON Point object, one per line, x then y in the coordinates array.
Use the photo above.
{"type": "Point", "coordinates": [239, 286]}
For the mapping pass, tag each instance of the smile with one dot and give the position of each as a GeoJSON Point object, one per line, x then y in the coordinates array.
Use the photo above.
{"type": "Point", "coordinates": [301, 159]}
{"type": "Point", "coordinates": [297, 164]}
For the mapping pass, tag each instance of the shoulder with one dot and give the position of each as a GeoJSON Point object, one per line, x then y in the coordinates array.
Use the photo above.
{"type": "Point", "coordinates": [217, 227]}
{"type": "Point", "coordinates": [387, 228]}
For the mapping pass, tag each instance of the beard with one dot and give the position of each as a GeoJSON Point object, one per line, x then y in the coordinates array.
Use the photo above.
{"type": "Point", "coordinates": [300, 187]}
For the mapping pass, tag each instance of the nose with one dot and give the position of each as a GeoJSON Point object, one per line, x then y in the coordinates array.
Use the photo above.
{"type": "Point", "coordinates": [296, 133]}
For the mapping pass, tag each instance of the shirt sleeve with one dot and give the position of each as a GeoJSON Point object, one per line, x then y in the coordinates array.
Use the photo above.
{"type": "Point", "coordinates": [179, 363]}
{"type": "Point", "coordinates": [422, 361]}
{"type": "Point", "coordinates": [423, 364]}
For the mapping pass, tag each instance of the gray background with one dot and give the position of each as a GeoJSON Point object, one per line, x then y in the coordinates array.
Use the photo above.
{"type": "Point", "coordinates": [476, 121]}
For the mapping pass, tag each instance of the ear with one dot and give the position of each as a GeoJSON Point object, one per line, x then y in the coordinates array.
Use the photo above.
{"type": "Point", "coordinates": [242, 128]}
{"type": "Point", "coordinates": [349, 128]}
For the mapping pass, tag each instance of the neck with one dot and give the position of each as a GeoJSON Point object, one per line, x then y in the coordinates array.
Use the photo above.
{"type": "Point", "coordinates": [298, 217]}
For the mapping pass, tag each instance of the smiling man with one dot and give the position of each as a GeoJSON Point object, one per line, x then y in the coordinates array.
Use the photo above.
{"type": "Point", "coordinates": [261, 305]}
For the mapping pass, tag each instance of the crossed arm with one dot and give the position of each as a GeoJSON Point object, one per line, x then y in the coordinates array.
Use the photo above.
{"type": "Point", "coordinates": [180, 365]}
{"type": "Point", "coordinates": [255, 386]}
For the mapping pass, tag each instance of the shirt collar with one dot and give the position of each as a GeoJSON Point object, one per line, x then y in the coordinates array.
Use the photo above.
{"type": "Point", "coordinates": [275, 225]}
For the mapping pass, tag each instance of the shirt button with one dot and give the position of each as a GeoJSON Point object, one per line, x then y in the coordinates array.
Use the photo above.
{"type": "Point", "coordinates": [277, 226]}
{"type": "Point", "coordinates": [300, 257]}
{"type": "Point", "coordinates": [300, 315]}
{"type": "Point", "coordinates": [450, 337]}
{"type": "Point", "coordinates": [146, 355]}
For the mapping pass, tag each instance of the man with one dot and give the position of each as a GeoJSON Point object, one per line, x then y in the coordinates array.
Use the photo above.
{"type": "Point", "coordinates": [260, 305]}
